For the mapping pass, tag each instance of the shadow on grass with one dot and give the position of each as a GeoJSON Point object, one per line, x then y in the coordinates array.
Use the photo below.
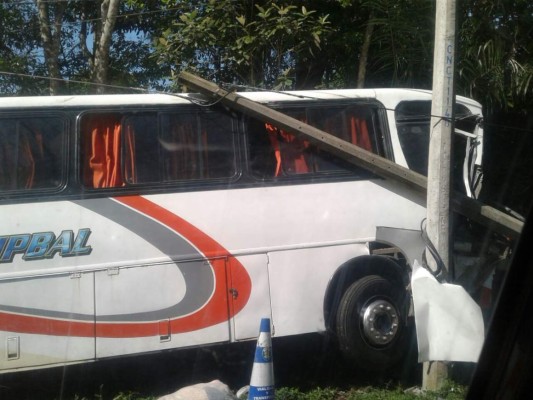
{"type": "Point", "coordinates": [304, 362]}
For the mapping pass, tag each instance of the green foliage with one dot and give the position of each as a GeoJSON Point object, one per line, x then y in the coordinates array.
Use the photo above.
{"type": "Point", "coordinates": [233, 41]}
{"type": "Point", "coordinates": [496, 63]}
{"type": "Point", "coordinates": [119, 396]}
{"type": "Point", "coordinates": [132, 396]}
{"type": "Point", "coordinates": [402, 43]}
{"type": "Point", "coordinates": [17, 48]}
{"type": "Point", "coordinates": [131, 62]}
{"type": "Point", "coordinates": [289, 394]}
{"type": "Point", "coordinates": [450, 391]}
{"type": "Point", "coordinates": [281, 45]}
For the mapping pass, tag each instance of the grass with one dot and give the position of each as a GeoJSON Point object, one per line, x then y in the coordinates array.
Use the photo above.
{"type": "Point", "coordinates": [450, 391]}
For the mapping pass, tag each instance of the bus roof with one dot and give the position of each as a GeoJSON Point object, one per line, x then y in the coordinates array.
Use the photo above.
{"type": "Point", "coordinates": [389, 97]}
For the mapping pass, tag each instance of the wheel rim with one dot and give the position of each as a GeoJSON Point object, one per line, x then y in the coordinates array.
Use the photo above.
{"type": "Point", "coordinates": [380, 322]}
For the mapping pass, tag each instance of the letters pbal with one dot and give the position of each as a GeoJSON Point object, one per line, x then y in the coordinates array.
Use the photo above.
{"type": "Point", "coordinates": [41, 245]}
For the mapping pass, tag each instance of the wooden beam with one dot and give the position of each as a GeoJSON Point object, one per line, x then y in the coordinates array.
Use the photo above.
{"type": "Point", "coordinates": [354, 154]}
{"type": "Point", "coordinates": [477, 211]}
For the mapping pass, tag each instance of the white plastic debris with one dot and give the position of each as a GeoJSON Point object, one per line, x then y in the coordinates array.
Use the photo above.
{"type": "Point", "coordinates": [243, 392]}
{"type": "Point", "coordinates": [214, 390]}
{"type": "Point", "coordinates": [449, 324]}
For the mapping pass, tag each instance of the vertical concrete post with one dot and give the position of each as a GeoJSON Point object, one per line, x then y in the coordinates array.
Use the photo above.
{"type": "Point", "coordinates": [440, 148]}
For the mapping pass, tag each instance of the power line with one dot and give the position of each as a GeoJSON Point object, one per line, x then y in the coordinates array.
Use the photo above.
{"type": "Point", "coordinates": [230, 89]}
{"type": "Point", "coordinates": [137, 89]}
{"type": "Point", "coordinates": [144, 90]}
{"type": "Point", "coordinates": [132, 14]}
{"type": "Point", "coordinates": [48, 78]}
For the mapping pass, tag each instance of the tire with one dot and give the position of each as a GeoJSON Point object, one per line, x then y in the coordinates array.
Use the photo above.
{"type": "Point", "coordinates": [371, 323]}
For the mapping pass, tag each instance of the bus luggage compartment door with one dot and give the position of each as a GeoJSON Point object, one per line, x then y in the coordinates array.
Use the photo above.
{"type": "Point", "coordinates": [158, 306]}
{"type": "Point", "coordinates": [46, 320]}
{"type": "Point", "coordinates": [249, 294]}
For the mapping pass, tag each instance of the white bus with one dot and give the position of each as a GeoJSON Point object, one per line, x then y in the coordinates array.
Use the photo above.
{"type": "Point", "coordinates": [141, 223]}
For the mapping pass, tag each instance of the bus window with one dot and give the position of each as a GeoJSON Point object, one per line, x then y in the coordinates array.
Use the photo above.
{"type": "Point", "coordinates": [355, 124]}
{"type": "Point", "coordinates": [197, 146]}
{"type": "Point", "coordinates": [141, 148]}
{"type": "Point", "coordinates": [274, 152]}
{"type": "Point", "coordinates": [412, 121]}
{"type": "Point", "coordinates": [31, 153]}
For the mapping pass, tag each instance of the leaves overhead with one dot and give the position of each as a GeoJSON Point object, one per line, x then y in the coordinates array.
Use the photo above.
{"type": "Point", "coordinates": [73, 28]}
{"type": "Point", "coordinates": [496, 63]}
{"type": "Point", "coordinates": [242, 42]}
{"type": "Point", "coordinates": [273, 44]}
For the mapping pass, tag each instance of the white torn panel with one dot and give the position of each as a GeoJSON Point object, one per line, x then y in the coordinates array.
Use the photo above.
{"type": "Point", "coordinates": [449, 324]}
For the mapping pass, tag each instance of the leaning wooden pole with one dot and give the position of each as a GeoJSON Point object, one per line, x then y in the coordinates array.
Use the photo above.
{"type": "Point", "coordinates": [341, 148]}
{"type": "Point", "coordinates": [488, 216]}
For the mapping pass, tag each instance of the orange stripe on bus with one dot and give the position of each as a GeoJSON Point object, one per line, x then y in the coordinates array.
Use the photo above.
{"type": "Point", "coordinates": [217, 309]}
{"type": "Point", "coordinates": [45, 326]}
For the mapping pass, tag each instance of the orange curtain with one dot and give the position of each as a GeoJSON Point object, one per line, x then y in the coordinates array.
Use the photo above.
{"type": "Point", "coordinates": [102, 151]}
{"type": "Point", "coordinates": [26, 163]}
{"type": "Point", "coordinates": [18, 156]}
{"type": "Point", "coordinates": [359, 132]}
{"type": "Point", "coordinates": [272, 135]}
{"type": "Point", "coordinates": [289, 154]}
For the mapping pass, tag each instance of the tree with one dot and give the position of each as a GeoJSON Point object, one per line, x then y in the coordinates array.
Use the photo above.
{"type": "Point", "coordinates": [496, 67]}
{"type": "Point", "coordinates": [234, 41]}
{"type": "Point", "coordinates": [401, 52]}
{"type": "Point", "coordinates": [51, 18]}
{"type": "Point", "coordinates": [72, 42]}
{"type": "Point", "coordinates": [17, 48]}
{"type": "Point", "coordinates": [107, 15]}
{"type": "Point", "coordinates": [496, 62]}
{"type": "Point", "coordinates": [50, 23]}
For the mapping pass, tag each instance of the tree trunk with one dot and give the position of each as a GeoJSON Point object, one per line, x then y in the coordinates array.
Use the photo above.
{"type": "Point", "coordinates": [309, 72]}
{"type": "Point", "coordinates": [361, 75]}
{"type": "Point", "coordinates": [108, 15]}
{"type": "Point", "coordinates": [50, 30]}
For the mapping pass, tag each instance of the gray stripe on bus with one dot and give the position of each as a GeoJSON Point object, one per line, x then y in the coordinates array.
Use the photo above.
{"type": "Point", "coordinates": [198, 275]}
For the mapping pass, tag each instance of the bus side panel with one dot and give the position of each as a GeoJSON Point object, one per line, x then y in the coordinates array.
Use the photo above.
{"type": "Point", "coordinates": [29, 337]}
{"type": "Point", "coordinates": [306, 232]}
{"type": "Point", "coordinates": [108, 347]}
{"type": "Point", "coordinates": [155, 307]}
{"type": "Point", "coordinates": [46, 300]}
{"type": "Point", "coordinates": [246, 322]}
{"type": "Point", "coordinates": [299, 279]}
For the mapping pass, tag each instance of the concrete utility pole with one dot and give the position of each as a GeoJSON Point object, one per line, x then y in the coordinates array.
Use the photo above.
{"type": "Point", "coordinates": [440, 148]}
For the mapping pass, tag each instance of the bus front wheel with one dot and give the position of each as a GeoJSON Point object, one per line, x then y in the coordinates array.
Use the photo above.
{"type": "Point", "coordinates": [371, 322]}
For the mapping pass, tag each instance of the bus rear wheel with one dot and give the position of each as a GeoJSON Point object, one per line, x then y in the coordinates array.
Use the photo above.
{"type": "Point", "coordinates": [371, 323]}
